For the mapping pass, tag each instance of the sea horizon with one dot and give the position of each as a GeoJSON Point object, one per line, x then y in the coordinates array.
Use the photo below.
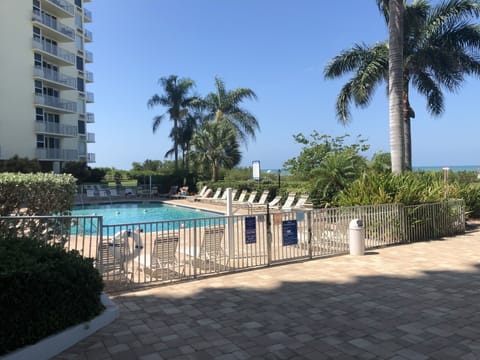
{"type": "Point", "coordinates": [455, 168]}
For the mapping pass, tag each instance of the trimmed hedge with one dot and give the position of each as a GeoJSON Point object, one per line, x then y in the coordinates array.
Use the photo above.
{"type": "Point", "coordinates": [36, 194]}
{"type": "Point", "coordinates": [43, 290]}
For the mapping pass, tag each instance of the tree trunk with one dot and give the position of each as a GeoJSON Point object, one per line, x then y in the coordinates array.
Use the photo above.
{"type": "Point", "coordinates": [407, 135]}
{"type": "Point", "coordinates": [175, 143]}
{"type": "Point", "coordinates": [395, 85]}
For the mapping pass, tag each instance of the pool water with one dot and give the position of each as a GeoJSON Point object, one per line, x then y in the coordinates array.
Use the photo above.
{"type": "Point", "coordinates": [129, 213]}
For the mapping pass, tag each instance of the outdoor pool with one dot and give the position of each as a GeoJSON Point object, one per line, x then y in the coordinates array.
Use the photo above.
{"type": "Point", "coordinates": [131, 213]}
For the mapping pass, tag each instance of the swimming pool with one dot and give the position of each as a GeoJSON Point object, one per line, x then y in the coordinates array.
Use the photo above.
{"type": "Point", "coordinates": [131, 213]}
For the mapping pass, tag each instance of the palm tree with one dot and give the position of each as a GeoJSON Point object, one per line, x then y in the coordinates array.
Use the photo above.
{"type": "Point", "coordinates": [440, 47]}
{"type": "Point", "coordinates": [216, 146]}
{"type": "Point", "coordinates": [224, 105]}
{"type": "Point", "coordinates": [177, 99]}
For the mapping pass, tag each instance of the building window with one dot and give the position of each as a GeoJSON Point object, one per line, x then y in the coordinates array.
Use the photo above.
{"type": "Point", "coordinates": [39, 114]}
{"type": "Point", "coordinates": [79, 63]}
{"type": "Point", "coordinates": [81, 127]}
{"type": "Point", "coordinates": [37, 35]}
{"type": "Point", "coordinates": [53, 118]}
{"type": "Point", "coordinates": [79, 43]}
{"type": "Point", "coordinates": [40, 142]}
{"type": "Point", "coordinates": [80, 85]}
{"type": "Point", "coordinates": [78, 3]}
{"type": "Point", "coordinates": [36, 5]}
{"type": "Point", "coordinates": [79, 21]}
{"type": "Point", "coordinates": [37, 60]}
{"type": "Point", "coordinates": [38, 87]}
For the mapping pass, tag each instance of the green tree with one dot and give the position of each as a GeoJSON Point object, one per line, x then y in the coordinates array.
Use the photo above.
{"type": "Point", "coordinates": [177, 99]}
{"type": "Point", "coordinates": [225, 105]}
{"type": "Point", "coordinates": [216, 146]}
{"type": "Point", "coordinates": [440, 47]}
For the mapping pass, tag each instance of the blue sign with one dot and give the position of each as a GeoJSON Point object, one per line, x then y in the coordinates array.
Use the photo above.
{"type": "Point", "coordinates": [289, 232]}
{"type": "Point", "coordinates": [250, 230]}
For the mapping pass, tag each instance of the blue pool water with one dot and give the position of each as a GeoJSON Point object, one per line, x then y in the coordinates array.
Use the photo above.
{"type": "Point", "coordinates": [129, 213]}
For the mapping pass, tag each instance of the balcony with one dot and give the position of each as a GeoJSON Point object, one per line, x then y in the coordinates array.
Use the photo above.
{"type": "Point", "coordinates": [88, 56]}
{"type": "Point", "coordinates": [90, 118]}
{"type": "Point", "coordinates": [87, 15]}
{"type": "Point", "coordinates": [88, 36]}
{"type": "Point", "coordinates": [56, 103]}
{"type": "Point", "coordinates": [57, 154]}
{"type": "Point", "coordinates": [56, 129]}
{"type": "Point", "coordinates": [54, 53]}
{"type": "Point", "coordinates": [59, 8]}
{"type": "Point", "coordinates": [88, 76]}
{"type": "Point", "coordinates": [89, 97]}
{"type": "Point", "coordinates": [56, 78]}
{"type": "Point", "coordinates": [90, 137]}
{"type": "Point", "coordinates": [91, 158]}
{"type": "Point", "coordinates": [53, 28]}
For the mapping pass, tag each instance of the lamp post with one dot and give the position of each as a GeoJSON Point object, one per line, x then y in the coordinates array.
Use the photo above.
{"type": "Point", "coordinates": [445, 179]}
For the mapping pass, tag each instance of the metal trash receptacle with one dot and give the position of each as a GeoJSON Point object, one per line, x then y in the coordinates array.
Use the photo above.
{"type": "Point", "coordinates": [357, 237]}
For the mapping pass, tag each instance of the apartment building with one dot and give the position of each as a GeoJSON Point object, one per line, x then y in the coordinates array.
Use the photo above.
{"type": "Point", "coordinates": [44, 80]}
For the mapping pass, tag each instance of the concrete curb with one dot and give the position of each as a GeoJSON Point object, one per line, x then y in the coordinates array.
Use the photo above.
{"type": "Point", "coordinates": [55, 344]}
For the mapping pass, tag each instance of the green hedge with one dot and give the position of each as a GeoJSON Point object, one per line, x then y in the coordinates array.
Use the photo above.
{"type": "Point", "coordinates": [36, 194]}
{"type": "Point", "coordinates": [43, 290]}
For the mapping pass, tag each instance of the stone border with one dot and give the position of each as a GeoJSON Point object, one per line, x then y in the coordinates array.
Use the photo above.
{"type": "Point", "coordinates": [55, 344]}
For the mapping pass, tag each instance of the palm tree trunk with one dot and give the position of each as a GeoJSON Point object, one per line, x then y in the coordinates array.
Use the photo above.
{"type": "Point", "coordinates": [395, 85]}
{"type": "Point", "coordinates": [175, 144]}
{"type": "Point", "coordinates": [407, 135]}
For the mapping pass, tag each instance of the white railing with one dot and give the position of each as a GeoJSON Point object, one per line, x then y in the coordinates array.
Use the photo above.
{"type": "Point", "coordinates": [88, 56]}
{"type": "Point", "coordinates": [145, 253]}
{"type": "Point", "coordinates": [54, 50]}
{"type": "Point", "coordinates": [90, 97]}
{"type": "Point", "coordinates": [64, 5]}
{"type": "Point", "coordinates": [90, 117]}
{"type": "Point", "coordinates": [88, 76]}
{"type": "Point", "coordinates": [54, 24]}
{"type": "Point", "coordinates": [88, 14]}
{"type": "Point", "coordinates": [55, 102]}
{"type": "Point", "coordinates": [90, 137]}
{"type": "Point", "coordinates": [91, 158]}
{"type": "Point", "coordinates": [57, 154]}
{"type": "Point", "coordinates": [56, 129]}
{"type": "Point", "coordinates": [55, 76]}
{"type": "Point", "coordinates": [88, 35]}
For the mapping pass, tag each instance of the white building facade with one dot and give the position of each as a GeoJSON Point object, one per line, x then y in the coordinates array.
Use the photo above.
{"type": "Point", "coordinates": [43, 81]}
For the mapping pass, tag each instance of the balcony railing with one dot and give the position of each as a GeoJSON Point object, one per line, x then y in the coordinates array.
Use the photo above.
{"type": "Point", "coordinates": [56, 129]}
{"type": "Point", "coordinates": [55, 76]}
{"type": "Point", "coordinates": [89, 97]}
{"type": "Point", "coordinates": [57, 154]}
{"type": "Point", "coordinates": [62, 5]}
{"type": "Point", "coordinates": [55, 102]}
{"type": "Point", "coordinates": [88, 56]}
{"type": "Point", "coordinates": [88, 35]}
{"type": "Point", "coordinates": [91, 158]}
{"type": "Point", "coordinates": [55, 51]}
{"type": "Point", "coordinates": [54, 24]}
{"type": "Point", "coordinates": [90, 118]}
{"type": "Point", "coordinates": [90, 137]}
{"type": "Point", "coordinates": [88, 15]}
{"type": "Point", "coordinates": [89, 76]}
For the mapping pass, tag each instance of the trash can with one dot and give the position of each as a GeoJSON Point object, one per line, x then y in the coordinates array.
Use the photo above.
{"type": "Point", "coordinates": [357, 237]}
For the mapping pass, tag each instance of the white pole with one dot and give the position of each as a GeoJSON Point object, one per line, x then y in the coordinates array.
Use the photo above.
{"type": "Point", "coordinates": [231, 249]}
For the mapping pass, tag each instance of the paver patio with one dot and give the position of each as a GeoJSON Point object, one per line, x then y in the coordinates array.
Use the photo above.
{"type": "Point", "coordinates": [415, 301]}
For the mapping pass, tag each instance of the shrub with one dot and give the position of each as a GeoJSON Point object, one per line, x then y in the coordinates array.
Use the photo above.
{"type": "Point", "coordinates": [43, 290]}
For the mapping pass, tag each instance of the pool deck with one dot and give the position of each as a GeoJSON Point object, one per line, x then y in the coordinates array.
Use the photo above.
{"type": "Point", "coordinates": [415, 301]}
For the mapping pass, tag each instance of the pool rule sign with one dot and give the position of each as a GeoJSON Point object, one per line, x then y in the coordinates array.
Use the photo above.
{"type": "Point", "coordinates": [250, 230]}
{"type": "Point", "coordinates": [289, 232]}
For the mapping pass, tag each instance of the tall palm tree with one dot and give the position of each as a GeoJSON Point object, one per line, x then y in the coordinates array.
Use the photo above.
{"type": "Point", "coordinates": [177, 99]}
{"type": "Point", "coordinates": [216, 146]}
{"type": "Point", "coordinates": [224, 105]}
{"type": "Point", "coordinates": [440, 47]}
{"type": "Point", "coordinates": [395, 84]}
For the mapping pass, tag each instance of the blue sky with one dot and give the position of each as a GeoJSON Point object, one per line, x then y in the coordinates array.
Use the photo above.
{"type": "Point", "coordinates": [279, 49]}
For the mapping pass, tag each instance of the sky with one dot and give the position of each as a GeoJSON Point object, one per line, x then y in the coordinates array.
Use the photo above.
{"type": "Point", "coordinates": [277, 48]}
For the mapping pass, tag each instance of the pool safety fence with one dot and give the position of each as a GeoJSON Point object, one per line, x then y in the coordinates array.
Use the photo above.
{"type": "Point", "coordinates": [143, 254]}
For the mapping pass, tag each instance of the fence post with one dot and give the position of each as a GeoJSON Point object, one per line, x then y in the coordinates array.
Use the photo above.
{"type": "Point", "coordinates": [194, 262]}
{"type": "Point", "coordinates": [308, 217]}
{"type": "Point", "coordinates": [269, 237]}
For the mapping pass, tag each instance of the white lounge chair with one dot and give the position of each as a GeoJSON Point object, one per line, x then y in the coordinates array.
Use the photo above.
{"type": "Point", "coordinates": [215, 196]}
{"type": "Point", "coordinates": [162, 262]}
{"type": "Point", "coordinates": [287, 205]}
{"type": "Point", "coordinates": [212, 256]}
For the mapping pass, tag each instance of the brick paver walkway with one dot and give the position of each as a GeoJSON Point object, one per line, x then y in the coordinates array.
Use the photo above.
{"type": "Point", "coordinates": [417, 301]}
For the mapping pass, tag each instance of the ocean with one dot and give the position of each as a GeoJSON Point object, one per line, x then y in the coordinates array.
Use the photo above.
{"type": "Point", "coordinates": [455, 168]}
